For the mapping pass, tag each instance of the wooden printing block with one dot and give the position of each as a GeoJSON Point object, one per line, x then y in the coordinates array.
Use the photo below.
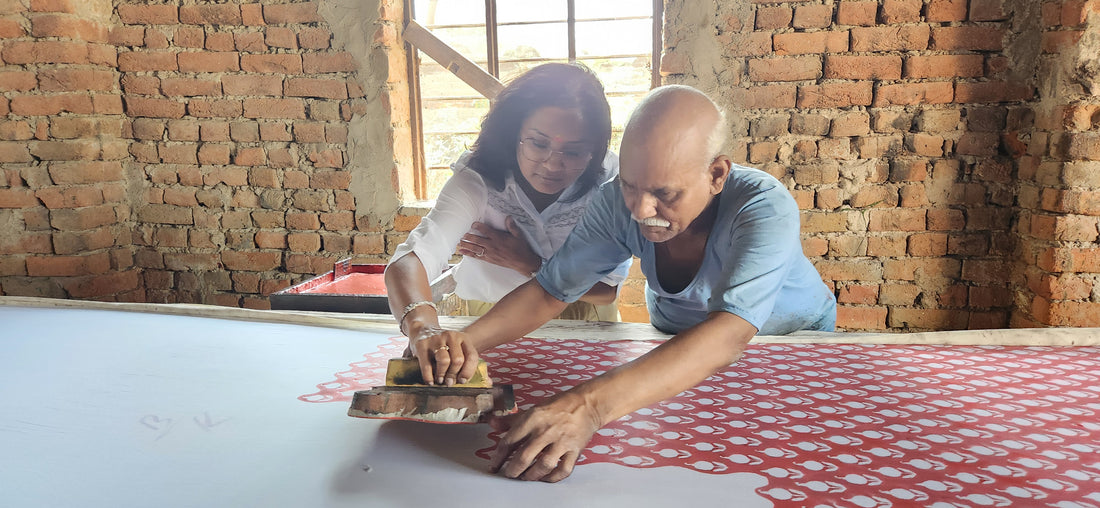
{"type": "Point", "coordinates": [440, 404]}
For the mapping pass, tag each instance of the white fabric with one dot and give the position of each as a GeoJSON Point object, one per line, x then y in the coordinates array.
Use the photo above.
{"type": "Point", "coordinates": [466, 199]}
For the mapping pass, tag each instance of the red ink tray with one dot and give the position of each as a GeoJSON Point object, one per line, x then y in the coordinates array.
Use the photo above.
{"type": "Point", "coordinates": [348, 288]}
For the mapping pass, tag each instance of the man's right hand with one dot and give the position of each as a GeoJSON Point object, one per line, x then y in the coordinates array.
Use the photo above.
{"type": "Point", "coordinates": [446, 357]}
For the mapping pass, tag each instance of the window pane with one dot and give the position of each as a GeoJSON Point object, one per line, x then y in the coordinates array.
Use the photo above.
{"type": "Point", "coordinates": [509, 11]}
{"type": "Point", "coordinates": [435, 81]}
{"type": "Point", "coordinates": [627, 74]}
{"type": "Point", "coordinates": [449, 12]}
{"type": "Point", "coordinates": [616, 141]}
{"type": "Point", "coordinates": [448, 116]}
{"type": "Point", "coordinates": [468, 41]}
{"type": "Point", "coordinates": [621, 107]}
{"type": "Point", "coordinates": [529, 33]}
{"type": "Point", "coordinates": [442, 150]}
{"type": "Point", "coordinates": [617, 37]}
{"type": "Point", "coordinates": [510, 70]}
{"type": "Point", "coordinates": [542, 40]}
{"type": "Point", "coordinates": [435, 180]}
{"type": "Point", "coordinates": [615, 9]}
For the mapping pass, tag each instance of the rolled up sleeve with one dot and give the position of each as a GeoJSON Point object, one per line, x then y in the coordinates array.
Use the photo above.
{"type": "Point", "coordinates": [592, 253]}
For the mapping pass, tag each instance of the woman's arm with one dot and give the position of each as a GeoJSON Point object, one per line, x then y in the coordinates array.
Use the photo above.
{"type": "Point", "coordinates": [407, 283]}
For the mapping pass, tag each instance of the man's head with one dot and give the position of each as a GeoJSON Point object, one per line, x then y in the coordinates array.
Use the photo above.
{"type": "Point", "coordinates": [670, 162]}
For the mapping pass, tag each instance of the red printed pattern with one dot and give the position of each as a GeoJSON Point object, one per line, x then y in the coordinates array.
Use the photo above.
{"type": "Point", "coordinates": [848, 425]}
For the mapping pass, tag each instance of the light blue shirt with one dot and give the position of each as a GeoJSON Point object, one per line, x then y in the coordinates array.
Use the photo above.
{"type": "Point", "coordinates": [753, 266]}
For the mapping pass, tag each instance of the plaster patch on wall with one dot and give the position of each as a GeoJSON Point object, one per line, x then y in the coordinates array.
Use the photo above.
{"type": "Point", "coordinates": [370, 134]}
{"type": "Point", "coordinates": [1088, 55]}
{"type": "Point", "coordinates": [1023, 45]}
{"type": "Point", "coordinates": [690, 30]}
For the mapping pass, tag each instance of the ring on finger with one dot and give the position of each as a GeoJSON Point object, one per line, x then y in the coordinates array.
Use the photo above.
{"type": "Point", "coordinates": [441, 348]}
{"type": "Point", "coordinates": [482, 253]}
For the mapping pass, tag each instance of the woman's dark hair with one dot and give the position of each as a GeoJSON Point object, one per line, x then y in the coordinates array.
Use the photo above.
{"type": "Point", "coordinates": [566, 86]}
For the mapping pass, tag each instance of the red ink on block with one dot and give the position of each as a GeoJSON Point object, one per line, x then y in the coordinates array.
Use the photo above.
{"type": "Point", "coordinates": [882, 425]}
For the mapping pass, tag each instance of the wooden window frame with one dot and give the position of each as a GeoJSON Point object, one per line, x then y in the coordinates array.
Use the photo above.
{"type": "Point", "coordinates": [479, 83]}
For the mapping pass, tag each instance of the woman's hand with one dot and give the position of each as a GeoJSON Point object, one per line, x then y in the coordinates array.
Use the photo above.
{"type": "Point", "coordinates": [507, 248]}
{"type": "Point", "coordinates": [544, 442]}
{"type": "Point", "coordinates": [446, 357]}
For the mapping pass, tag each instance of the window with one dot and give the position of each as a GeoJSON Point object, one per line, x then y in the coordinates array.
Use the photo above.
{"type": "Point", "coordinates": [619, 40]}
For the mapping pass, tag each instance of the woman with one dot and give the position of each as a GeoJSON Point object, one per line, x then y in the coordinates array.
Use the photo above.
{"type": "Point", "coordinates": [540, 157]}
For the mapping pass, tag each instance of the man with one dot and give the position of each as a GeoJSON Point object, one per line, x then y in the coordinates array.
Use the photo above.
{"type": "Point", "coordinates": [719, 246]}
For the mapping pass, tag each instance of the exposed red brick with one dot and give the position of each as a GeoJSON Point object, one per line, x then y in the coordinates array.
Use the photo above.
{"type": "Point", "coordinates": [890, 38]}
{"type": "Point", "coordinates": [252, 14]}
{"type": "Point", "coordinates": [857, 13]}
{"type": "Point", "coordinates": [773, 17]}
{"type": "Point", "coordinates": [252, 84]}
{"type": "Point", "coordinates": [252, 261]}
{"type": "Point", "coordinates": [861, 318]}
{"type": "Point", "coordinates": [215, 108]}
{"type": "Point", "coordinates": [147, 14]}
{"type": "Point", "coordinates": [944, 66]}
{"type": "Point", "coordinates": [987, 10]}
{"type": "Point", "coordinates": [189, 87]}
{"type": "Point", "coordinates": [303, 12]}
{"type": "Point", "coordinates": [897, 220]}
{"type": "Point", "coordinates": [153, 108]}
{"type": "Point", "coordinates": [67, 26]}
{"type": "Point", "coordinates": [803, 43]}
{"type": "Point", "coordinates": [813, 16]}
{"type": "Point", "coordinates": [319, 63]}
{"type": "Point", "coordinates": [973, 38]}
{"type": "Point", "coordinates": [68, 266]}
{"type": "Point", "coordinates": [211, 14]}
{"type": "Point", "coordinates": [280, 63]}
{"type": "Point", "coordinates": [249, 42]}
{"type": "Point", "coordinates": [914, 93]}
{"type": "Point", "coordinates": [320, 88]}
{"type": "Point", "coordinates": [1079, 314]}
{"type": "Point", "coordinates": [885, 67]}
{"type": "Point", "coordinates": [274, 108]}
{"type": "Point", "coordinates": [142, 61]}
{"type": "Point", "coordinates": [901, 11]}
{"type": "Point", "coordinates": [939, 11]}
{"type": "Point", "coordinates": [208, 61]}
{"type": "Point", "coordinates": [314, 38]}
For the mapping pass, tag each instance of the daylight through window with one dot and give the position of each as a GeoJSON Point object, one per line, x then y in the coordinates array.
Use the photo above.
{"type": "Point", "coordinates": [506, 37]}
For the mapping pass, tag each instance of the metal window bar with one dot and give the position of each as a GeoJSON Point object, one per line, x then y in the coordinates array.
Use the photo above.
{"type": "Point", "coordinates": [492, 63]}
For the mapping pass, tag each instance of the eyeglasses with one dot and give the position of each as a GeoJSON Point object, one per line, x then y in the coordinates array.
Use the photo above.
{"type": "Point", "coordinates": [536, 150]}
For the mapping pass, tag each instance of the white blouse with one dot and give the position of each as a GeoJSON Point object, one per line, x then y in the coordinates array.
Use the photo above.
{"type": "Point", "coordinates": [466, 199]}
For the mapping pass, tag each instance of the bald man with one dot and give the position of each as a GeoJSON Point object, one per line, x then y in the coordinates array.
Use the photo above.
{"type": "Point", "coordinates": [719, 246]}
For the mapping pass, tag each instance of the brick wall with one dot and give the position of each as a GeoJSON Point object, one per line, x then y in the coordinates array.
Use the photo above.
{"type": "Point", "coordinates": [64, 209]}
{"type": "Point", "coordinates": [945, 153]}
{"type": "Point", "coordinates": [1058, 267]}
{"type": "Point", "coordinates": [911, 133]}
{"type": "Point", "coordinates": [183, 152]}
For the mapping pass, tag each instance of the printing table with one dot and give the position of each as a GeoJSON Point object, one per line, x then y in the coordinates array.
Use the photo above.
{"type": "Point", "coordinates": [141, 405]}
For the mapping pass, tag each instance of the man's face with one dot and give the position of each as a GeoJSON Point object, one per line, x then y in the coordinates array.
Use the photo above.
{"type": "Point", "coordinates": [667, 182]}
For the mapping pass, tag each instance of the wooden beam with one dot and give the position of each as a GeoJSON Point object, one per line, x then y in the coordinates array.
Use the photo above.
{"type": "Point", "coordinates": [466, 70]}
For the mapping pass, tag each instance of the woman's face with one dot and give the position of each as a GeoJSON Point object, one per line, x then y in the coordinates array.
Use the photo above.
{"type": "Point", "coordinates": [553, 151]}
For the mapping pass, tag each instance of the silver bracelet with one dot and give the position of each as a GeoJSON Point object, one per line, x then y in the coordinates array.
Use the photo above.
{"type": "Point", "coordinates": [409, 308]}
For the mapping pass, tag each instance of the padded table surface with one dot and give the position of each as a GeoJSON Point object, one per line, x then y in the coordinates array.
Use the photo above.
{"type": "Point", "coordinates": [114, 408]}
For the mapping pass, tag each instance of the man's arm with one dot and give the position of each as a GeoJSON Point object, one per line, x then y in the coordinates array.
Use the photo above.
{"type": "Point", "coordinates": [545, 442]}
{"type": "Point", "coordinates": [517, 314]}
{"type": "Point", "coordinates": [600, 294]}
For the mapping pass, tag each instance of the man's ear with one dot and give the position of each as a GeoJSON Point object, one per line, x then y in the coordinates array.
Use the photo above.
{"type": "Point", "coordinates": [719, 171]}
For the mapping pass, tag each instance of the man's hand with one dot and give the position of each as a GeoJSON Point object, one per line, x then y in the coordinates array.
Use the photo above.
{"type": "Point", "coordinates": [445, 356]}
{"type": "Point", "coordinates": [544, 442]}
{"type": "Point", "coordinates": [506, 248]}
